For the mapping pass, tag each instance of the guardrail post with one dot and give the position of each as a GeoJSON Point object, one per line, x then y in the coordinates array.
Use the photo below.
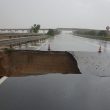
{"type": "Point", "coordinates": [26, 45]}
{"type": "Point", "coordinates": [10, 37]}
{"type": "Point", "coordinates": [19, 46]}
{"type": "Point", "coordinates": [11, 46]}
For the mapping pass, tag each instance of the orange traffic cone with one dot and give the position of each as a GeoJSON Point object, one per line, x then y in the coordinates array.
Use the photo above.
{"type": "Point", "coordinates": [100, 50]}
{"type": "Point", "coordinates": [49, 47]}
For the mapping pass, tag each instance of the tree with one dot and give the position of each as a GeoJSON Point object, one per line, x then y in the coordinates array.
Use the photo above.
{"type": "Point", "coordinates": [92, 32]}
{"type": "Point", "coordinates": [35, 28]}
{"type": "Point", "coordinates": [51, 32]}
{"type": "Point", "coordinates": [102, 33]}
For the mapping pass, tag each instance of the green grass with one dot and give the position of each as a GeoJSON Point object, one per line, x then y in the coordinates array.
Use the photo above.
{"type": "Point", "coordinates": [106, 38]}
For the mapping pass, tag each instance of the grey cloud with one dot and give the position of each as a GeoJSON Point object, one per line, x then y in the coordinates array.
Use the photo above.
{"type": "Point", "coordinates": [55, 13]}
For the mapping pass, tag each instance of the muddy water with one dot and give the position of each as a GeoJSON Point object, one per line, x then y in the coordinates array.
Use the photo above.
{"type": "Point", "coordinates": [86, 91]}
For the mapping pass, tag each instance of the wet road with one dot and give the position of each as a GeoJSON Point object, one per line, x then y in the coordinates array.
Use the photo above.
{"type": "Point", "coordinates": [86, 91]}
{"type": "Point", "coordinates": [69, 42]}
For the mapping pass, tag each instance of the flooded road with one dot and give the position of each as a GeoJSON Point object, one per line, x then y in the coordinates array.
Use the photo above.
{"type": "Point", "coordinates": [69, 42]}
{"type": "Point", "coordinates": [86, 91]}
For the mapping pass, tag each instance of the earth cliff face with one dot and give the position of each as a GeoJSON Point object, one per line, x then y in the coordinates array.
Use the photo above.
{"type": "Point", "coordinates": [20, 63]}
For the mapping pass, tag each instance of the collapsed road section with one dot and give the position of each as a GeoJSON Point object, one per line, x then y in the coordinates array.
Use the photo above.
{"type": "Point", "coordinates": [23, 62]}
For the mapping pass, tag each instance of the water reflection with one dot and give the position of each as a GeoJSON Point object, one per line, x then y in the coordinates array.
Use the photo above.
{"type": "Point", "coordinates": [103, 44]}
{"type": "Point", "coordinates": [69, 42]}
{"type": "Point", "coordinates": [35, 45]}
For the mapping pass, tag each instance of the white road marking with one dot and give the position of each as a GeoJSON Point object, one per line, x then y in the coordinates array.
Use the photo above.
{"type": "Point", "coordinates": [3, 79]}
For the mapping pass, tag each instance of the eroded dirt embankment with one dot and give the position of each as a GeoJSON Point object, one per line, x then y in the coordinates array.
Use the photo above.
{"type": "Point", "coordinates": [20, 63]}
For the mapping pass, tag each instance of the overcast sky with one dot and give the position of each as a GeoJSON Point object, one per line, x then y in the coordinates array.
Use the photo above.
{"type": "Point", "coordinates": [55, 13]}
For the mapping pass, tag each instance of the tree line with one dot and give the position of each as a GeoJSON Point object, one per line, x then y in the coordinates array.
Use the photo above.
{"type": "Point", "coordinates": [93, 33]}
{"type": "Point", "coordinates": [35, 29]}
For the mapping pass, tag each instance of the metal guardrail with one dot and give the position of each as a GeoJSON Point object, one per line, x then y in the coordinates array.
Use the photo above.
{"type": "Point", "coordinates": [21, 40]}
{"type": "Point", "coordinates": [18, 34]}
